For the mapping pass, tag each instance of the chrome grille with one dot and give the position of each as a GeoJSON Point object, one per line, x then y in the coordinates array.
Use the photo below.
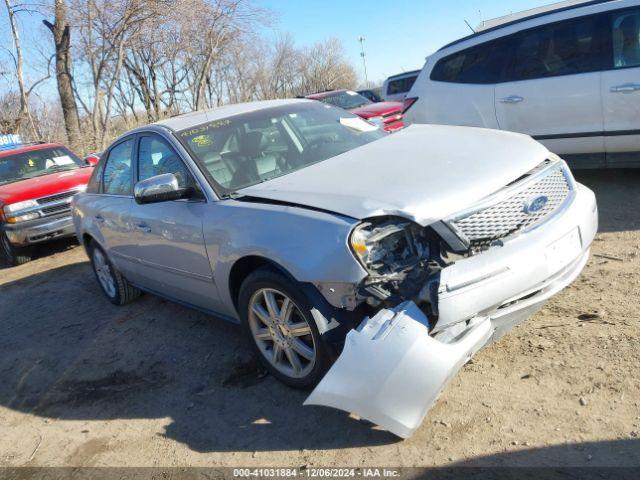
{"type": "Point", "coordinates": [56, 197]}
{"type": "Point", "coordinates": [55, 204]}
{"type": "Point", "coordinates": [52, 210]}
{"type": "Point", "coordinates": [510, 215]}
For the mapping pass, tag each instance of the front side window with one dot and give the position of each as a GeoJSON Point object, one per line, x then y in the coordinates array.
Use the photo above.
{"type": "Point", "coordinates": [117, 177]}
{"type": "Point", "coordinates": [44, 161]}
{"type": "Point", "coordinates": [156, 156]}
{"type": "Point", "coordinates": [251, 148]}
{"type": "Point", "coordinates": [625, 33]}
{"type": "Point", "coordinates": [347, 100]}
{"type": "Point", "coordinates": [562, 48]}
{"type": "Point", "coordinates": [481, 64]}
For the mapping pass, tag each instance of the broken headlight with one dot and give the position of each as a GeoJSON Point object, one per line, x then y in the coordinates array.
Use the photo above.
{"type": "Point", "coordinates": [389, 245]}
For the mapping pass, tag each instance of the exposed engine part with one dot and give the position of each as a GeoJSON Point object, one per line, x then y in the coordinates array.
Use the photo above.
{"type": "Point", "coordinates": [404, 261]}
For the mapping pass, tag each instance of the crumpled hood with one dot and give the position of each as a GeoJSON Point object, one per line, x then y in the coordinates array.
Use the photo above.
{"type": "Point", "coordinates": [423, 173]}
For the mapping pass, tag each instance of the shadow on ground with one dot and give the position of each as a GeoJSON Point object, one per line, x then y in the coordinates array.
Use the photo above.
{"type": "Point", "coordinates": [618, 196]}
{"type": "Point", "coordinates": [607, 454]}
{"type": "Point", "coordinates": [70, 354]}
{"type": "Point", "coordinates": [45, 249]}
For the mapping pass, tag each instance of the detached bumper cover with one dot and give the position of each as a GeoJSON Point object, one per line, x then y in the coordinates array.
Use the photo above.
{"type": "Point", "coordinates": [392, 369]}
{"type": "Point", "coordinates": [40, 230]}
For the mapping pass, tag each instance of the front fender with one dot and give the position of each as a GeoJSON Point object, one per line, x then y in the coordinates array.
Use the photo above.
{"type": "Point", "coordinates": [311, 245]}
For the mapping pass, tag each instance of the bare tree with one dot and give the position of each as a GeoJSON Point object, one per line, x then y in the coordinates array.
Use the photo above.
{"type": "Point", "coordinates": [107, 28]}
{"type": "Point", "coordinates": [139, 61]}
{"type": "Point", "coordinates": [17, 55]}
{"type": "Point", "coordinates": [61, 32]}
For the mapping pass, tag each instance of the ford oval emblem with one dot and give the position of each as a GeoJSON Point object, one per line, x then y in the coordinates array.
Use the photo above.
{"type": "Point", "coordinates": [536, 204]}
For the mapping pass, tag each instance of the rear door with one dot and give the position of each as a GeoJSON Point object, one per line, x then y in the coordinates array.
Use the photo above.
{"type": "Point", "coordinates": [552, 87]}
{"type": "Point", "coordinates": [621, 88]}
{"type": "Point", "coordinates": [460, 88]}
{"type": "Point", "coordinates": [172, 257]}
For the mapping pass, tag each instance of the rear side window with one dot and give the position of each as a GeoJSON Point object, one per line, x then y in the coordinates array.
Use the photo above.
{"type": "Point", "coordinates": [481, 64]}
{"type": "Point", "coordinates": [625, 32]}
{"type": "Point", "coordinates": [117, 177]}
{"type": "Point", "coordinates": [562, 48]}
{"type": "Point", "coordinates": [401, 85]}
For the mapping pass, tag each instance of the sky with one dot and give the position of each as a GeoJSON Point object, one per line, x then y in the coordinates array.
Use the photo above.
{"type": "Point", "coordinates": [398, 34]}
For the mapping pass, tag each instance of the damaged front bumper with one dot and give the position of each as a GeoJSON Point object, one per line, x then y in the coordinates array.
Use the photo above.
{"type": "Point", "coordinates": [394, 365]}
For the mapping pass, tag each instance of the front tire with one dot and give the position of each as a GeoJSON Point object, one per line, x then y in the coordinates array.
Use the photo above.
{"type": "Point", "coordinates": [12, 255]}
{"type": "Point", "coordinates": [277, 318]}
{"type": "Point", "coordinates": [117, 289]}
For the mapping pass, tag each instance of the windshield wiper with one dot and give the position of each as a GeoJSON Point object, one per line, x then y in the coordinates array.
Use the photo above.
{"type": "Point", "coordinates": [231, 195]}
{"type": "Point", "coordinates": [59, 168]}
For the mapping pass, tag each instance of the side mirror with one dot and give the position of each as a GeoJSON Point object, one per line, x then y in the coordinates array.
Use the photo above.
{"type": "Point", "coordinates": [92, 160]}
{"type": "Point", "coordinates": [160, 188]}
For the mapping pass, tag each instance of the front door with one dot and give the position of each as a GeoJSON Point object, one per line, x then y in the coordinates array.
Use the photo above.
{"type": "Point", "coordinates": [621, 89]}
{"type": "Point", "coordinates": [170, 245]}
{"type": "Point", "coordinates": [111, 207]}
{"type": "Point", "coordinates": [552, 90]}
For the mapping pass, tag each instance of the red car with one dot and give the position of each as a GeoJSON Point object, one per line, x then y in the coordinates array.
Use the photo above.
{"type": "Point", "coordinates": [37, 182]}
{"type": "Point", "coordinates": [387, 115]}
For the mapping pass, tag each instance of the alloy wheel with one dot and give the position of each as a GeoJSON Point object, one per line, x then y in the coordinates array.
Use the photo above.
{"type": "Point", "coordinates": [103, 272]}
{"type": "Point", "coordinates": [281, 332]}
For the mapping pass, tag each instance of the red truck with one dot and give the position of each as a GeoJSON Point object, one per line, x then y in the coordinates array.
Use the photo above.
{"type": "Point", "coordinates": [37, 182]}
{"type": "Point", "coordinates": [387, 115]}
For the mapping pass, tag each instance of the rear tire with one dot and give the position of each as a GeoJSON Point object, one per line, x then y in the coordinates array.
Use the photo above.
{"type": "Point", "coordinates": [288, 344]}
{"type": "Point", "coordinates": [11, 255]}
{"type": "Point", "coordinates": [117, 289]}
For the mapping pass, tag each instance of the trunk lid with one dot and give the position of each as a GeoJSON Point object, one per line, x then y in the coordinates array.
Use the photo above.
{"type": "Point", "coordinates": [378, 109]}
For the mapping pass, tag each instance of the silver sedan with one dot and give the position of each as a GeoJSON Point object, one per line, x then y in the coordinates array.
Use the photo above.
{"type": "Point", "coordinates": [370, 266]}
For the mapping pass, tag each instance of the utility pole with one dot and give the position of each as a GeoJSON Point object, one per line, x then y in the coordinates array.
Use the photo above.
{"type": "Point", "coordinates": [364, 61]}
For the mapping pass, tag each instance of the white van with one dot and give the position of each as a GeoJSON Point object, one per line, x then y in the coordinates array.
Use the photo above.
{"type": "Point", "coordinates": [395, 88]}
{"type": "Point", "coordinates": [567, 74]}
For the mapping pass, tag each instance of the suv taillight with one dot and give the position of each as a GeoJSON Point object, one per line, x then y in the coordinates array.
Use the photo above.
{"type": "Point", "coordinates": [408, 103]}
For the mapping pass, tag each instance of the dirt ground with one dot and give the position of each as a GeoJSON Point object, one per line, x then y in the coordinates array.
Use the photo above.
{"type": "Point", "coordinates": [85, 383]}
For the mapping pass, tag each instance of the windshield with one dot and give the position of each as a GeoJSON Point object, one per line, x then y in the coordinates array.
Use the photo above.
{"type": "Point", "coordinates": [35, 163]}
{"type": "Point", "coordinates": [247, 149]}
{"type": "Point", "coordinates": [347, 100]}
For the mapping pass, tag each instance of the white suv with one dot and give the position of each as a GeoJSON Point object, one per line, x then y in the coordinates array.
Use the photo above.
{"type": "Point", "coordinates": [568, 75]}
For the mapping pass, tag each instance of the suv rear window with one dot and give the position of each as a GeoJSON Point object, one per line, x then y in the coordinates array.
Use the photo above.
{"type": "Point", "coordinates": [479, 64]}
{"type": "Point", "coordinates": [562, 48]}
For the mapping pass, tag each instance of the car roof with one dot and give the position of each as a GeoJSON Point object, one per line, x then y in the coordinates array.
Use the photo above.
{"type": "Point", "coordinates": [187, 120]}
{"type": "Point", "coordinates": [319, 95]}
{"type": "Point", "coordinates": [28, 148]}
{"type": "Point", "coordinates": [518, 17]}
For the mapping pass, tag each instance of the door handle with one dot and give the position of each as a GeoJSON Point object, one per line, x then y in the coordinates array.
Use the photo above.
{"type": "Point", "coordinates": [512, 99]}
{"type": "Point", "coordinates": [142, 227]}
{"type": "Point", "coordinates": [626, 88]}
{"type": "Point", "coordinates": [99, 218]}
